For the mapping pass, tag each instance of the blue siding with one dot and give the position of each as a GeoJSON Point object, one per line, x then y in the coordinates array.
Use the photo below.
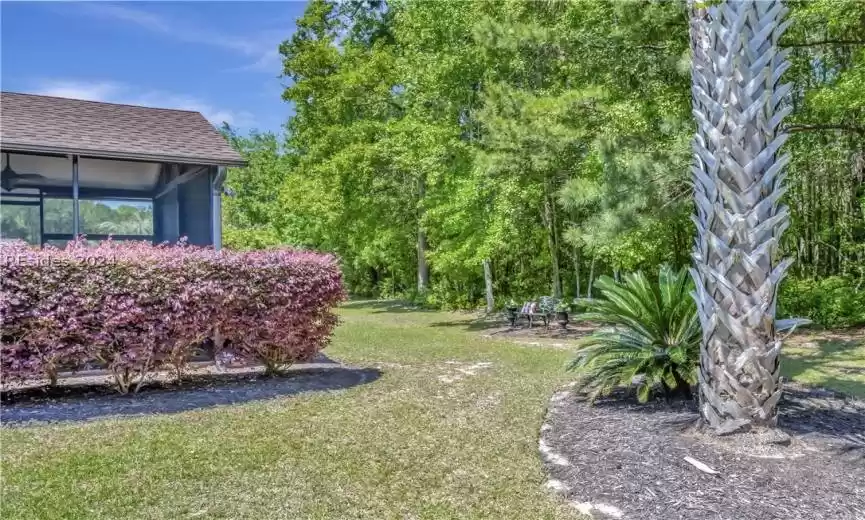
{"type": "Point", "coordinates": [165, 212]}
{"type": "Point", "coordinates": [194, 199]}
{"type": "Point", "coordinates": [186, 211]}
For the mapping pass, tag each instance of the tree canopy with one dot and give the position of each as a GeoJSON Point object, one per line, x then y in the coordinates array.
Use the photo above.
{"type": "Point", "coordinates": [551, 139]}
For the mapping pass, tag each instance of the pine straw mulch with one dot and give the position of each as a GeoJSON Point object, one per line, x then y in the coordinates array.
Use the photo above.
{"type": "Point", "coordinates": [621, 459]}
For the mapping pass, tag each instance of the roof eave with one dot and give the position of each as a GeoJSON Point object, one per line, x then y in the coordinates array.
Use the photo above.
{"type": "Point", "coordinates": [108, 154]}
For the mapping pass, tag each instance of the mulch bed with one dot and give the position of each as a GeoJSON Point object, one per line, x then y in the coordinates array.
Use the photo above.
{"type": "Point", "coordinates": [82, 402]}
{"type": "Point", "coordinates": [554, 331]}
{"type": "Point", "coordinates": [621, 459]}
{"type": "Point", "coordinates": [539, 335]}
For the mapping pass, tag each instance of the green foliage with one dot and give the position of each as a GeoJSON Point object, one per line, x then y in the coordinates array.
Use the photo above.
{"type": "Point", "coordinates": [563, 307]}
{"type": "Point", "coordinates": [549, 138]}
{"type": "Point", "coordinates": [827, 174]}
{"type": "Point", "coordinates": [833, 301]}
{"type": "Point", "coordinates": [651, 333]}
{"type": "Point", "coordinates": [106, 217]}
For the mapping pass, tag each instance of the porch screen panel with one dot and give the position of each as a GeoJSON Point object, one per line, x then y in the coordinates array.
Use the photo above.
{"type": "Point", "coordinates": [117, 217]}
{"type": "Point", "coordinates": [58, 216]}
{"type": "Point", "coordinates": [19, 219]}
{"type": "Point", "coordinates": [121, 219]}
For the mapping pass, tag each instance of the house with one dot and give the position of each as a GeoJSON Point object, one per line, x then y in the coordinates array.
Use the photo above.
{"type": "Point", "coordinates": [69, 167]}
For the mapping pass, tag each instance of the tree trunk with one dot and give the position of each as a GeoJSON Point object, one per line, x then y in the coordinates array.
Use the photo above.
{"type": "Point", "coordinates": [577, 272]}
{"type": "Point", "coordinates": [488, 280]}
{"type": "Point", "coordinates": [552, 239]}
{"type": "Point", "coordinates": [422, 267]}
{"type": "Point", "coordinates": [737, 177]}
{"type": "Point", "coordinates": [591, 278]}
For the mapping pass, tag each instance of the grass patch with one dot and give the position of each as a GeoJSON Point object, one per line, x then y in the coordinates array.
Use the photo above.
{"type": "Point", "coordinates": [448, 431]}
{"type": "Point", "coordinates": [831, 360]}
{"type": "Point", "coordinates": [440, 435]}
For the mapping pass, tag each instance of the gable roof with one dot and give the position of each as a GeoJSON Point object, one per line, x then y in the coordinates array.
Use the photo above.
{"type": "Point", "coordinates": [34, 123]}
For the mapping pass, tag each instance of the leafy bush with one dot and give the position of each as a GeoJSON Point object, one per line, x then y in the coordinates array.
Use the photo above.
{"type": "Point", "coordinates": [134, 308]}
{"type": "Point", "coordinates": [278, 304]}
{"type": "Point", "coordinates": [449, 296]}
{"type": "Point", "coordinates": [831, 302]}
{"type": "Point", "coordinates": [652, 333]}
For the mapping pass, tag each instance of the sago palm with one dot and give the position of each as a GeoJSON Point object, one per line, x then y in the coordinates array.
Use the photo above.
{"type": "Point", "coordinates": [651, 336]}
{"type": "Point", "coordinates": [738, 178]}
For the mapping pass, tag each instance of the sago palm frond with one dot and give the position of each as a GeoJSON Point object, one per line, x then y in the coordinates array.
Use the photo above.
{"type": "Point", "coordinates": [650, 333]}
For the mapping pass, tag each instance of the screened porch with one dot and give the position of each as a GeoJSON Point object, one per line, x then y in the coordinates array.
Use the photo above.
{"type": "Point", "coordinates": [74, 167]}
{"type": "Point", "coordinates": [50, 200]}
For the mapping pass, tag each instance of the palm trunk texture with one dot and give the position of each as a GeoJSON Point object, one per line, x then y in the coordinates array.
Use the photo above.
{"type": "Point", "coordinates": [738, 179]}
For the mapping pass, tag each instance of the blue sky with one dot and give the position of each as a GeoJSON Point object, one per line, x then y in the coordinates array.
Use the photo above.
{"type": "Point", "coordinates": [219, 58]}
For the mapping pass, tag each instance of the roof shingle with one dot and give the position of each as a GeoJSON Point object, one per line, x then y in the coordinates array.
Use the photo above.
{"type": "Point", "coordinates": [31, 122]}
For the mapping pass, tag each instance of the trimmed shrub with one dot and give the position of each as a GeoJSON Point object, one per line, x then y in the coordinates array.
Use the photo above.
{"type": "Point", "coordinates": [276, 304]}
{"type": "Point", "coordinates": [133, 308]}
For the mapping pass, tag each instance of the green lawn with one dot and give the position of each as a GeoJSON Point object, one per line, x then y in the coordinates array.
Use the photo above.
{"type": "Point", "coordinates": [425, 440]}
{"type": "Point", "coordinates": [833, 360]}
{"type": "Point", "coordinates": [449, 430]}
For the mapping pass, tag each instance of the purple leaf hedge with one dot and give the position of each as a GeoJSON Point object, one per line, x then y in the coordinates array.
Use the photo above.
{"type": "Point", "coordinates": [133, 308]}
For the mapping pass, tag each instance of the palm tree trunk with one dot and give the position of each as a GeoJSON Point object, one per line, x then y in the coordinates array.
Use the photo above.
{"type": "Point", "coordinates": [738, 177]}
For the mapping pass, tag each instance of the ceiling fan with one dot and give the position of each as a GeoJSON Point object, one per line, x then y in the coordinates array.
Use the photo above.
{"type": "Point", "coordinates": [10, 179]}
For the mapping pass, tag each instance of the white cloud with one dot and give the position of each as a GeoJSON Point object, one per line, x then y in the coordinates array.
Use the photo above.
{"type": "Point", "coordinates": [146, 20]}
{"type": "Point", "coordinates": [270, 61]}
{"type": "Point", "coordinates": [115, 92]}
{"type": "Point", "coordinates": [215, 115]}
{"type": "Point", "coordinates": [91, 91]}
{"type": "Point", "coordinates": [261, 47]}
